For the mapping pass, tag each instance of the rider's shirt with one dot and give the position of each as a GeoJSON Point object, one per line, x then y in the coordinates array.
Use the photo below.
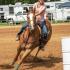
{"type": "Point", "coordinates": [40, 9]}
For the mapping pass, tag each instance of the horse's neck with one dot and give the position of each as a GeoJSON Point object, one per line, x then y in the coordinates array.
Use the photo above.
{"type": "Point", "coordinates": [38, 29]}
{"type": "Point", "coordinates": [35, 31]}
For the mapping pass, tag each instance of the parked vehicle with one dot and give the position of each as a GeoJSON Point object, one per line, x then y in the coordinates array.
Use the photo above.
{"type": "Point", "coordinates": [17, 18]}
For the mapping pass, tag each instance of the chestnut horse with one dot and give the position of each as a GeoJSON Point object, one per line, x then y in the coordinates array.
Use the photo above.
{"type": "Point", "coordinates": [30, 39]}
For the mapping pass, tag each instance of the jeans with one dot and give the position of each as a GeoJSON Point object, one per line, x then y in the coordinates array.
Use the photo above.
{"type": "Point", "coordinates": [44, 28]}
{"type": "Point", "coordinates": [22, 28]}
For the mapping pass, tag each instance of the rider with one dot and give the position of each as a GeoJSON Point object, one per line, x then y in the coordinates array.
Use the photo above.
{"type": "Point", "coordinates": [23, 26]}
{"type": "Point", "coordinates": [39, 9]}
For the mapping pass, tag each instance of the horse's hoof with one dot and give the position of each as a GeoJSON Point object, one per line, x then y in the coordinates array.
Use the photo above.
{"type": "Point", "coordinates": [16, 67]}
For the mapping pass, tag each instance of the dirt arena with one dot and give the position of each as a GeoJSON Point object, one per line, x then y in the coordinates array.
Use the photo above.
{"type": "Point", "coordinates": [49, 59]}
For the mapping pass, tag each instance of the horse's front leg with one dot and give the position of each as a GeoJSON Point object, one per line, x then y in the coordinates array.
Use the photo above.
{"type": "Point", "coordinates": [18, 53]}
{"type": "Point", "coordinates": [26, 53]}
{"type": "Point", "coordinates": [23, 50]}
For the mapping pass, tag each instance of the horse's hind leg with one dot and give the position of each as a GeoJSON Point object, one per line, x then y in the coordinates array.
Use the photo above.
{"type": "Point", "coordinates": [16, 57]}
{"type": "Point", "coordinates": [36, 53]}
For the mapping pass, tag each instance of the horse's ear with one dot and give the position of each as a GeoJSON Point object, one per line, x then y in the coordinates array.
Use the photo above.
{"type": "Point", "coordinates": [27, 10]}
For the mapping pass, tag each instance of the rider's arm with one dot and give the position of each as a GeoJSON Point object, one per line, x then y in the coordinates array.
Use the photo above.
{"type": "Point", "coordinates": [40, 11]}
{"type": "Point", "coordinates": [46, 16]}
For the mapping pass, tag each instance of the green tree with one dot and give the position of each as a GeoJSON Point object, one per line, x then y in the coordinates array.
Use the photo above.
{"type": "Point", "coordinates": [6, 2]}
{"type": "Point", "coordinates": [52, 0]}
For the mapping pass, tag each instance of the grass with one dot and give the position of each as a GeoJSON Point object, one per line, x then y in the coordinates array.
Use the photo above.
{"type": "Point", "coordinates": [53, 22]}
{"type": "Point", "coordinates": [59, 22]}
{"type": "Point", "coordinates": [4, 24]}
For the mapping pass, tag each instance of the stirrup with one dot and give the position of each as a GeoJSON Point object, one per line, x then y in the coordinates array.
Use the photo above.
{"type": "Point", "coordinates": [17, 38]}
{"type": "Point", "coordinates": [44, 36]}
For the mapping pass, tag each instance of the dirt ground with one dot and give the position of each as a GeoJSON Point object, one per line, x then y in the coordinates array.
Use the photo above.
{"type": "Point", "coordinates": [49, 59]}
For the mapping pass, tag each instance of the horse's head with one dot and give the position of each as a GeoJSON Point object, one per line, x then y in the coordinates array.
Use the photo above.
{"type": "Point", "coordinates": [30, 18]}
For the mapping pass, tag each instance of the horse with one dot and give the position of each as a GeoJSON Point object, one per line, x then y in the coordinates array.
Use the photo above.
{"type": "Point", "coordinates": [30, 39]}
